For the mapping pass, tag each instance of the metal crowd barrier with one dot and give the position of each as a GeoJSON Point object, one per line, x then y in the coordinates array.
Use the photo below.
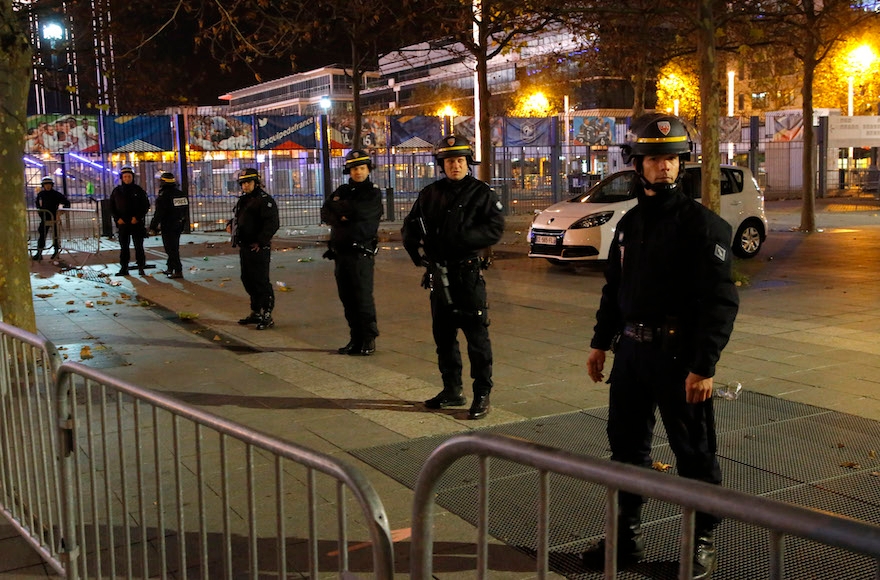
{"type": "Point", "coordinates": [157, 487]}
{"type": "Point", "coordinates": [29, 475]}
{"type": "Point", "coordinates": [78, 231]}
{"type": "Point", "coordinates": [778, 517]}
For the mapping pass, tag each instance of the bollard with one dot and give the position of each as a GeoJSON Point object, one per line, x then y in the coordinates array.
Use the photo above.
{"type": "Point", "coordinates": [389, 204]}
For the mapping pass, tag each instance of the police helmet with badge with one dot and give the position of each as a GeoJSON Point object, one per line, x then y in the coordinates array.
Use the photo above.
{"type": "Point", "coordinates": [355, 158]}
{"type": "Point", "coordinates": [126, 169]}
{"type": "Point", "coordinates": [167, 177]}
{"type": "Point", "coordinates": [657, 134]}
{"type": "Point", "coordinates": [454, 146]}
{"type": "Point", "coordinates": [249, 174]}
{"type": "Point", "coordinates": [48, 181]}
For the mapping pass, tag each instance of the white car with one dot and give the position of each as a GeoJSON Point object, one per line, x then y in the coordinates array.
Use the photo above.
{"type": "Point", "coordinates": [582, 228]}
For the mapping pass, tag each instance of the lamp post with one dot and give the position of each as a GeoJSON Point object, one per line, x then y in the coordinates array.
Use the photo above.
{"type": "Point", "coordinates": [325, 145]}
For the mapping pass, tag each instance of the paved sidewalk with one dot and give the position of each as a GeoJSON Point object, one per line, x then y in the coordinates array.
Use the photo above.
{"type": "Point", "coordinates": [809, 331]}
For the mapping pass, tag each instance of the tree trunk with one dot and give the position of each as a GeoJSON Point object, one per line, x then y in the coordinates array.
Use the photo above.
{"type": "Point", "coordinates": [16, 299]}
{"type": "Point", "coordinates": [710, 103]}
{"type": "Point", "coordinates": [808, 209]}
{"type": "Point", "coordinates": [639, 81]}
{"type": "Point", "coordinates": [484, 169]}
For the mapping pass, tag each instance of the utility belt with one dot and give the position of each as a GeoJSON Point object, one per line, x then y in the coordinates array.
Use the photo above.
{"type": "Point", "coordinates": [468, 265]}
{"type": "Point", "coordinates": [641, 332]}
{"type": "Point", "coordinates": [357, 248]}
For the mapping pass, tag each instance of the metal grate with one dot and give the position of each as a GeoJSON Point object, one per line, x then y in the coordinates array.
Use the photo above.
{"type": "Point", "coordinates": [767, 446]}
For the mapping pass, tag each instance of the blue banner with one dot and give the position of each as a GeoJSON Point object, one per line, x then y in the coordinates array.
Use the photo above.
{"type": "Point", "coordinates": [125, 134]}
{"type": "Point", "coordinates": [415, 132]}
{"type": "Point", "coordinates": [527, 132]}
{"type": "Point", "coordinates": [464, 126]}
{"type": "Point", "coordinates": [286, 132]}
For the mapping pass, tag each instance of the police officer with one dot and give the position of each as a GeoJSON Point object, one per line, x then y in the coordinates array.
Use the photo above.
{"type": "Point", "coordinates": [353, 212]}
{"type": "Point", "coordinates": [452, 220]}
{"type": "Point", "coordinates": [48, 201]}
{"type": "Point", "coordinates": [129, 205]}
{"type": "Point", "coordinates": [254, 223]}
{"type": "Point", "coordinates": [172, 207]}
{"type": "Point", "coordinates": [670, 301]}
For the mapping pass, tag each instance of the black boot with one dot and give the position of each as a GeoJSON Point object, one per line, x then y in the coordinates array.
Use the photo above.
{"type": "Point", "coordinates": [56, 254]}
{"type": "Point", "coordinates": [38, 255]}
{"type": "Point", "coordinates": [448, 397]}
{"type": "Point", "coordinates": [367, 347]}
{"type": "Point", "coordinates": [265, 320]}
{"type": "Point", "coordinates": [705, 556]}
{"type": "Point", "coordinates": [176, 275]}
{"type": "Point", "coordinates": [352, 346]}
{"type": "Point", "coordinates": [480, 407]}
{"type": "Point", "coordinates": [252, 318]}
{"type": "Point", "coordinates": [630, 542]}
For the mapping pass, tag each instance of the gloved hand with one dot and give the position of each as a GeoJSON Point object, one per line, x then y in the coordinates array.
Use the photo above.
{"type": "Point", "coordinates": [426, 281]}
{"type": "Point", "coordinates": [329, 255]}
{"type": "Point", "coordinates": [255, 247]}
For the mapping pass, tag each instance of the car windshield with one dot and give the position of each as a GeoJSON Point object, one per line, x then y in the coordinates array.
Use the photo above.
{"type": "Point", "coordinates": [617, 187]}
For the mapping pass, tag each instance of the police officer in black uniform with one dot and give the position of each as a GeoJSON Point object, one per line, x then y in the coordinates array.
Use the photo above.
{"type": "Point", "coordinates": [670, 302]}
{"type": "Point", "coordinates": [129, 205]}
{"type": "Point", "coordinates": [452, 220]}
{"type": "Point", "coordinates": [254, 223]}
{"type": "Point", "coordinates": [172, 211]}
{"type": "Point", "coordinates": [353, 212]}
{"type": "Point", "coordinates": [48, 201]}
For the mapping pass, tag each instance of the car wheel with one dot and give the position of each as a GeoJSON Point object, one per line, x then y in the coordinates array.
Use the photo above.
{"type": "Point", "coordinates": [748, 238]}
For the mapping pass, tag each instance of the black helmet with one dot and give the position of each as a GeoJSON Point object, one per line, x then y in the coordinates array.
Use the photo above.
{"type": "Point", "coordinates": [656, 134]}
{"type": "Point", "coordinates": [454, 146]}
{"type": "Point", "coordinates": [249, 174]}
{"type": "Point", "coordinates": [48, 180]}
{"type": "Point", "coordinates": [167, 177]}
{"type": "Point", "coordinates": [355, 158]}
{"type": "Point", "coordinates": [126, 169]}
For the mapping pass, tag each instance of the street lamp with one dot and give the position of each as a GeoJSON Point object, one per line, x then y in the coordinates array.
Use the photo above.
{"type": "Point", "coordinates": [859, 59]}
{"type": "Point", "coordinates": [448, 113]}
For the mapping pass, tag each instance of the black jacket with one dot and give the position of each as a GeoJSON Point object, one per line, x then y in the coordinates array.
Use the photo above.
{"type": "Point", "coordinates": [256, 219]}
{"type": "Point", "coordinates": [353, 212]}
{"type": "Point", "coordinates": [670, 264]}
{"type": "Point", "coordinates": [50, 200]}
{"type": "Point", "coordinates": [129, 201]}
{"type": "Point", "coordinates": [171, 210]}
{"type": "Point", "coordinates": [462, 217]}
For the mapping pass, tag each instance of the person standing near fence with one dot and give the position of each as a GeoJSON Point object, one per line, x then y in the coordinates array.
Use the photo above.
{"type": "Point", "coordinates": [172, 211]}
{"type": "Point", "coordinates": [353, 212]}
{"type": "Point", "coordinates": [452, 220]}
{"type": "Point", "coordinates": [48, 201]}
{"type": "Point", "coordinates": [129, 205]}
{"type": "Point", "coordinates": [668, 306]}
{"type": "Point", "coordinates": [255, 220]}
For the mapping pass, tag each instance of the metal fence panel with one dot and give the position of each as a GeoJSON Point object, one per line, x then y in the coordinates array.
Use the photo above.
{"type": "Point", "coordinates": [156, 487]}
{"type": "Point", "coordinates": [778, 517]}
{"type": "Point", "coordinates": [30, 495]}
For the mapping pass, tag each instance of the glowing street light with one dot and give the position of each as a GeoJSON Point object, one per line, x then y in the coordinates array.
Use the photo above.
{"type": "Point", "coordinates": [859, 59]}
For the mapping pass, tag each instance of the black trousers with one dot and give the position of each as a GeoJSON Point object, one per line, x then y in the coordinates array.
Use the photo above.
{"type": "Point", "coordinates": [171, 243]}
{"type": "Point", "coordinates": [354, 282]}
{"type": "Point", "coordinates": [644, 378]}
{"type": "Point", "coordinates": [43, 229]}
{"type": "Point", "coordinates": [129, 233]}
{"type": "Point", "coordinates": [468, 312]}
{"type": "Point", "coordinates": [255, 277]}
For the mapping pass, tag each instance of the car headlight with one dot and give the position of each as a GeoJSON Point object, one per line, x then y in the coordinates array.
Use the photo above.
{"type": "Point", "coordinates": [592, 221]}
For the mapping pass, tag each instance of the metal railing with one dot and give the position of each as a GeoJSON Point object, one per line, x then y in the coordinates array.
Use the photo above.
{"type": "Point", "coordinates": [779, 518]}
{"type": "Point", "coordinates": [29, 475]}
{"type": "Point", "coordinates": [153, 485]}
{"type": "Point", "coordinates": [77, 230]}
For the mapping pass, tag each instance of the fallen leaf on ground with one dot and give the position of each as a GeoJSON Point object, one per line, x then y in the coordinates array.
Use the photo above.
{"type": "Point", "coordinates": [85, 353]}
{"type": "Point", "coordinates": [187, 315]}
{"type": "Point", "coordinates": [660, 466]}
{"type": "Point", "coordinates": [850, 465]}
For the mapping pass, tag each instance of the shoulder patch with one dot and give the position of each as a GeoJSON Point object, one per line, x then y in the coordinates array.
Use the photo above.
{"type": "Point", "coordinates": [498, 206]}
{"type": "Point", "coordinates": [720, 252]}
